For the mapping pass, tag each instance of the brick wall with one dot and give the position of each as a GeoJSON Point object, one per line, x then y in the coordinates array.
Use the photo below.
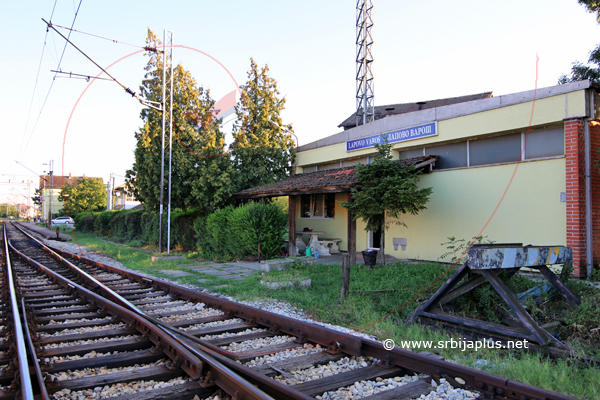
{"type": "Point", "coordinates": [575, 173]}
{"type": "Point", "coordinates": [595, 150]}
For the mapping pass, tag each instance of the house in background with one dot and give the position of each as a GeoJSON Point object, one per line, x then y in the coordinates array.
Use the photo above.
{"type": "Point", "coordinates": [517, 168]}
{"type": "Point", "coordinates": [50, 187]}
{"type": "Point", "coordinates": [25, 211]}
{"type": "Point", "coordinates": [122, 200]}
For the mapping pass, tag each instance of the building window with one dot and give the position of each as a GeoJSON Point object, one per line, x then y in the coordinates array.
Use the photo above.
{"type": "Point", "coordinates": [317, 206]}
{"type": "Point", "coordinates": [546, 143]}
{"type": "Point", "coordinates": [495, 150]}
{"type": "Point", "coordinates": [449, 155]}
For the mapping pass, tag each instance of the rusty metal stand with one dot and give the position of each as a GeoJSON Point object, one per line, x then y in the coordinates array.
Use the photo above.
{"type": "Point", "coordinates": [485, 263]}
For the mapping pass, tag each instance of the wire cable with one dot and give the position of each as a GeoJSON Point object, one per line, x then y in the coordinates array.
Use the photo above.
{"type": "Point", "coordinates": [132, 93]}
{"type": "Point", "coordinates": [35, 86]}
{"type": "Point", "coordinates": [98, 36]}
{"type": "Point", "coordinates": [53, 79]}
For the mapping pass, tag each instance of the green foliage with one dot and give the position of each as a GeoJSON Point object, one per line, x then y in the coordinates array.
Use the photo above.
{"type": "Point", "coordinates": [8, 210]}
{"type": "Point", "coordinates": [102, 225]}
{"type": "Point", "coordinates": [593, 6]}
{"type": "Point", "coordinates": [149, 228]}
{"type": "Point", "coordinates": [263, 151]}
{"type": "Point", "coordinates": [456, 248]}
{"type": "Point", "coordinates": [182, 228]}
{"type": "Point", "coordinates": [243, 231]}
{"type": "Point", "coordinates": [88, 195]}
{"type": "Point", "coordinates": [201, 177]}
{"type": "Point", "coordinates": [37, 197]}
{"type": "Point", "coordinates": [262, 228]}
{"type": "Point", "coordinates": [386, 188]}
{"type": "Point", "coordinates": [85, 221]}
{"type": "Point", "coordinates": [580, 71]}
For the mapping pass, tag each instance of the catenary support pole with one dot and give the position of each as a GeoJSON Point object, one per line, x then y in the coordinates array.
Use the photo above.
{"type": "Point", "coordinates": [162, 146]}
{"type": "Point", "coordinates": [170, 145]}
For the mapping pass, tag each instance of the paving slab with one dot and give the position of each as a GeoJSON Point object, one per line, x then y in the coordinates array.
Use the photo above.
{"type": "Point", "coordinates": [215, 272]}
{"type": "Point", "coordinates": [174, 272]}
{"type": "Point", "coordinates": [235, 277]}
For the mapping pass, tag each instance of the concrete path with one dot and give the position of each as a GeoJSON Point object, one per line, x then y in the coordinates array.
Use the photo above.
{"type": "Point", "coordinates": [47, 233]}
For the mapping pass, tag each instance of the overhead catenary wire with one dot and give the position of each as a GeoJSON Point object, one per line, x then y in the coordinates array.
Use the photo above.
{"type": "Point", "coordinates": [98, 36]}
{"type": "Point", "coordinates": [80, 76]}
{"type": "Point", "coordinates": [127, 90]}
{"type": "Point", "coordinates": [52, 83]}
{"type": "Point", "coordinates": [37, 77]}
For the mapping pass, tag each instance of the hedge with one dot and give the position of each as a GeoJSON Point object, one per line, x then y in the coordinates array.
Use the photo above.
{"type": "Point", "coordinates": [228, 233]}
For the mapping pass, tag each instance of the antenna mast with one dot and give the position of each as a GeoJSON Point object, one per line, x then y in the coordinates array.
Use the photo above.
{"type": "Point", "coordinates": [365, 108]}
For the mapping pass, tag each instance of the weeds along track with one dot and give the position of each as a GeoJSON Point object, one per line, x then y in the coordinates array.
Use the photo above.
{"type": "Point", "coordinates": [99, 331]}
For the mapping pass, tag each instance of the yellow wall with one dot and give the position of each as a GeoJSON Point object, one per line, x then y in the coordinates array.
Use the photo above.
{"type": "Point", "coordinates": [334, 228]}
{"type": "Point", "coordinates": [463, 203]}
{"type": "Point", "coordinates": [511, 118]}
{"type": "Point", "coordinates": [464, 200]}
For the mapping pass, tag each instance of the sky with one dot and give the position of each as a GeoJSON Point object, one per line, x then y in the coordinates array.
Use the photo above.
{"type": "Point", "coordinates": [422, 51]}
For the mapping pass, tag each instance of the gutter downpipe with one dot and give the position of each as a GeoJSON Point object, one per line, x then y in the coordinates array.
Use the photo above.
{"type": "Point", "coordinates": [589, 257]}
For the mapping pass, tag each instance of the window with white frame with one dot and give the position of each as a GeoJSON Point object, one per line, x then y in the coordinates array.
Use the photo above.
{"type": "Point", "coordinates": [317, 205]}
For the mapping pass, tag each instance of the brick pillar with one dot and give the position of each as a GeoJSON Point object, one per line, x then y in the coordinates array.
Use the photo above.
{"type": "Point", "coordinates": [575, 172]}
{"type": "Point", "coordinates": [595, 150]}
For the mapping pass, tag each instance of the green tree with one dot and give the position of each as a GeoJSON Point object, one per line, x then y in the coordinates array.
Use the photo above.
{"type": "Point", "coordinates": [593, 6]}
{"type": "Point", "coordinates": [201, 176]}
{"type": "Point", "coordinates": [37, 197]}
{"type": "Point", "coordinates": [579, 70]}
{"type": "Point", "coordinates": [88, 195]}
{"type": "Point", "coordinates": [386, 189]}
{"type": "Point", "coordinates": [8, 210]}
{"type": "Point", "coordinates": [263, 151]}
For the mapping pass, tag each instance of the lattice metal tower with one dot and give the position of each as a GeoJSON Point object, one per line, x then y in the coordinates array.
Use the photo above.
{"type": "Point", "coordinates": [365, 107]}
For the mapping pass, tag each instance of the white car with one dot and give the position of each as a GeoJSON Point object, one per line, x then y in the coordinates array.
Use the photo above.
{"type": "Point", "coordinates": [68, 221]}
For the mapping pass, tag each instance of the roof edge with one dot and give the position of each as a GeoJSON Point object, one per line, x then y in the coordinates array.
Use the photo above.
{"type": "Point", "coordinates": [415, 118]}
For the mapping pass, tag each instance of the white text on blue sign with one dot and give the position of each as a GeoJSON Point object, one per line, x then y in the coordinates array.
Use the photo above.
{"type": "Point", "coordinates": [418, 132]}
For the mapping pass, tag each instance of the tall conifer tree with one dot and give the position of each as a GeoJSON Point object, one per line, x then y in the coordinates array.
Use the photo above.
{"type": "Point", "coordinates": [263, 151]}
{"type": "Point", "coordinates": [201, 177]}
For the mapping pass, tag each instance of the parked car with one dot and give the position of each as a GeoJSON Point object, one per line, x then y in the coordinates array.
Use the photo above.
{"type": "Point", "coordinates": [61, 221]}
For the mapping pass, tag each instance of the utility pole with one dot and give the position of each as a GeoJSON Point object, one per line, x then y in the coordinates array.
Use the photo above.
{"type": "Point", "coordinates": [51, 170]}
{"type": "Point", "coordinates": [162, 149]}
{"type": "Point", "coordinates": [108, 193]}
{"type": "Point", "coordinates": [170, 148]}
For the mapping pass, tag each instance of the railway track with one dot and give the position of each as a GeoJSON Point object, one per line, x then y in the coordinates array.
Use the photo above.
{"type": "Point", "coordinates": [97, 329]}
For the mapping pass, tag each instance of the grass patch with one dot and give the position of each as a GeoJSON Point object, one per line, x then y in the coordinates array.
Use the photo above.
{"type": "Point", "coordinates": [366, 310]}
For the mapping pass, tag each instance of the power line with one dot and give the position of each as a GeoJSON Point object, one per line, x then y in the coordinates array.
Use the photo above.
{"type": "Point", "coordinates": [99, 37]}
{"type": "Point", "coordinates": [53, 79]}
{"type": "Point", "coordinates": [94, 62]}
{"type": "Point", "coordinates": [35, 86]}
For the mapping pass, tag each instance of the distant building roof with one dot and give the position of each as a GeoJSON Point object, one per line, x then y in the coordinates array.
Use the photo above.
{"type": "Point", "coordinates": [58, 181]}
{"type": "Point", "coordinates": [328, 181]}
{"type": "Point", "coordinates": [395, 109]}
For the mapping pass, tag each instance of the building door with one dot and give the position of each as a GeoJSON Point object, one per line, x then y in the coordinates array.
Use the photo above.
{"type": "Point", "coordinates": [375, 238]}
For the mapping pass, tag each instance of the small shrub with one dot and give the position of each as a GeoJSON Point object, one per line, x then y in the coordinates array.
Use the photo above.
{"type": "Point", "coordinates": [456, 248]}
{"type": "Point", "coordinates": [102, 225]}
{"type": "Point", "coordinates": [182, 229]}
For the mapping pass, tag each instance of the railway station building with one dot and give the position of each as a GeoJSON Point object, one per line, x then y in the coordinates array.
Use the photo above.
{"type": "Point", "coordinates": [517, 168]}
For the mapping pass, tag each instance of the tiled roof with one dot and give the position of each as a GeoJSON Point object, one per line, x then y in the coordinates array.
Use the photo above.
{"type": "Point", "coordinates": [394, 109]}
{"type": "Point", "coordinates": [329, 181]}
{"type": "Point", "coordinates": [58, 181]}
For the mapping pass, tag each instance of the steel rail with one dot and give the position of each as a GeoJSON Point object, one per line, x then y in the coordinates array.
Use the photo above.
{"type": "Point", "coordinates": [38, 370]}
{"type": "Point", "coordinates": [338, 341]}
{"type": "Point", "coordinates": [192, 359]}
{"type": "Point", "coordinates": [17, 333]}
{"type": "Point", "coordinates": [220, 360]}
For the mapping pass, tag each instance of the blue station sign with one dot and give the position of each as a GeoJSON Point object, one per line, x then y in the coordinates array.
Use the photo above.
{"type": "Point", "coordinates": [402, 135]}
